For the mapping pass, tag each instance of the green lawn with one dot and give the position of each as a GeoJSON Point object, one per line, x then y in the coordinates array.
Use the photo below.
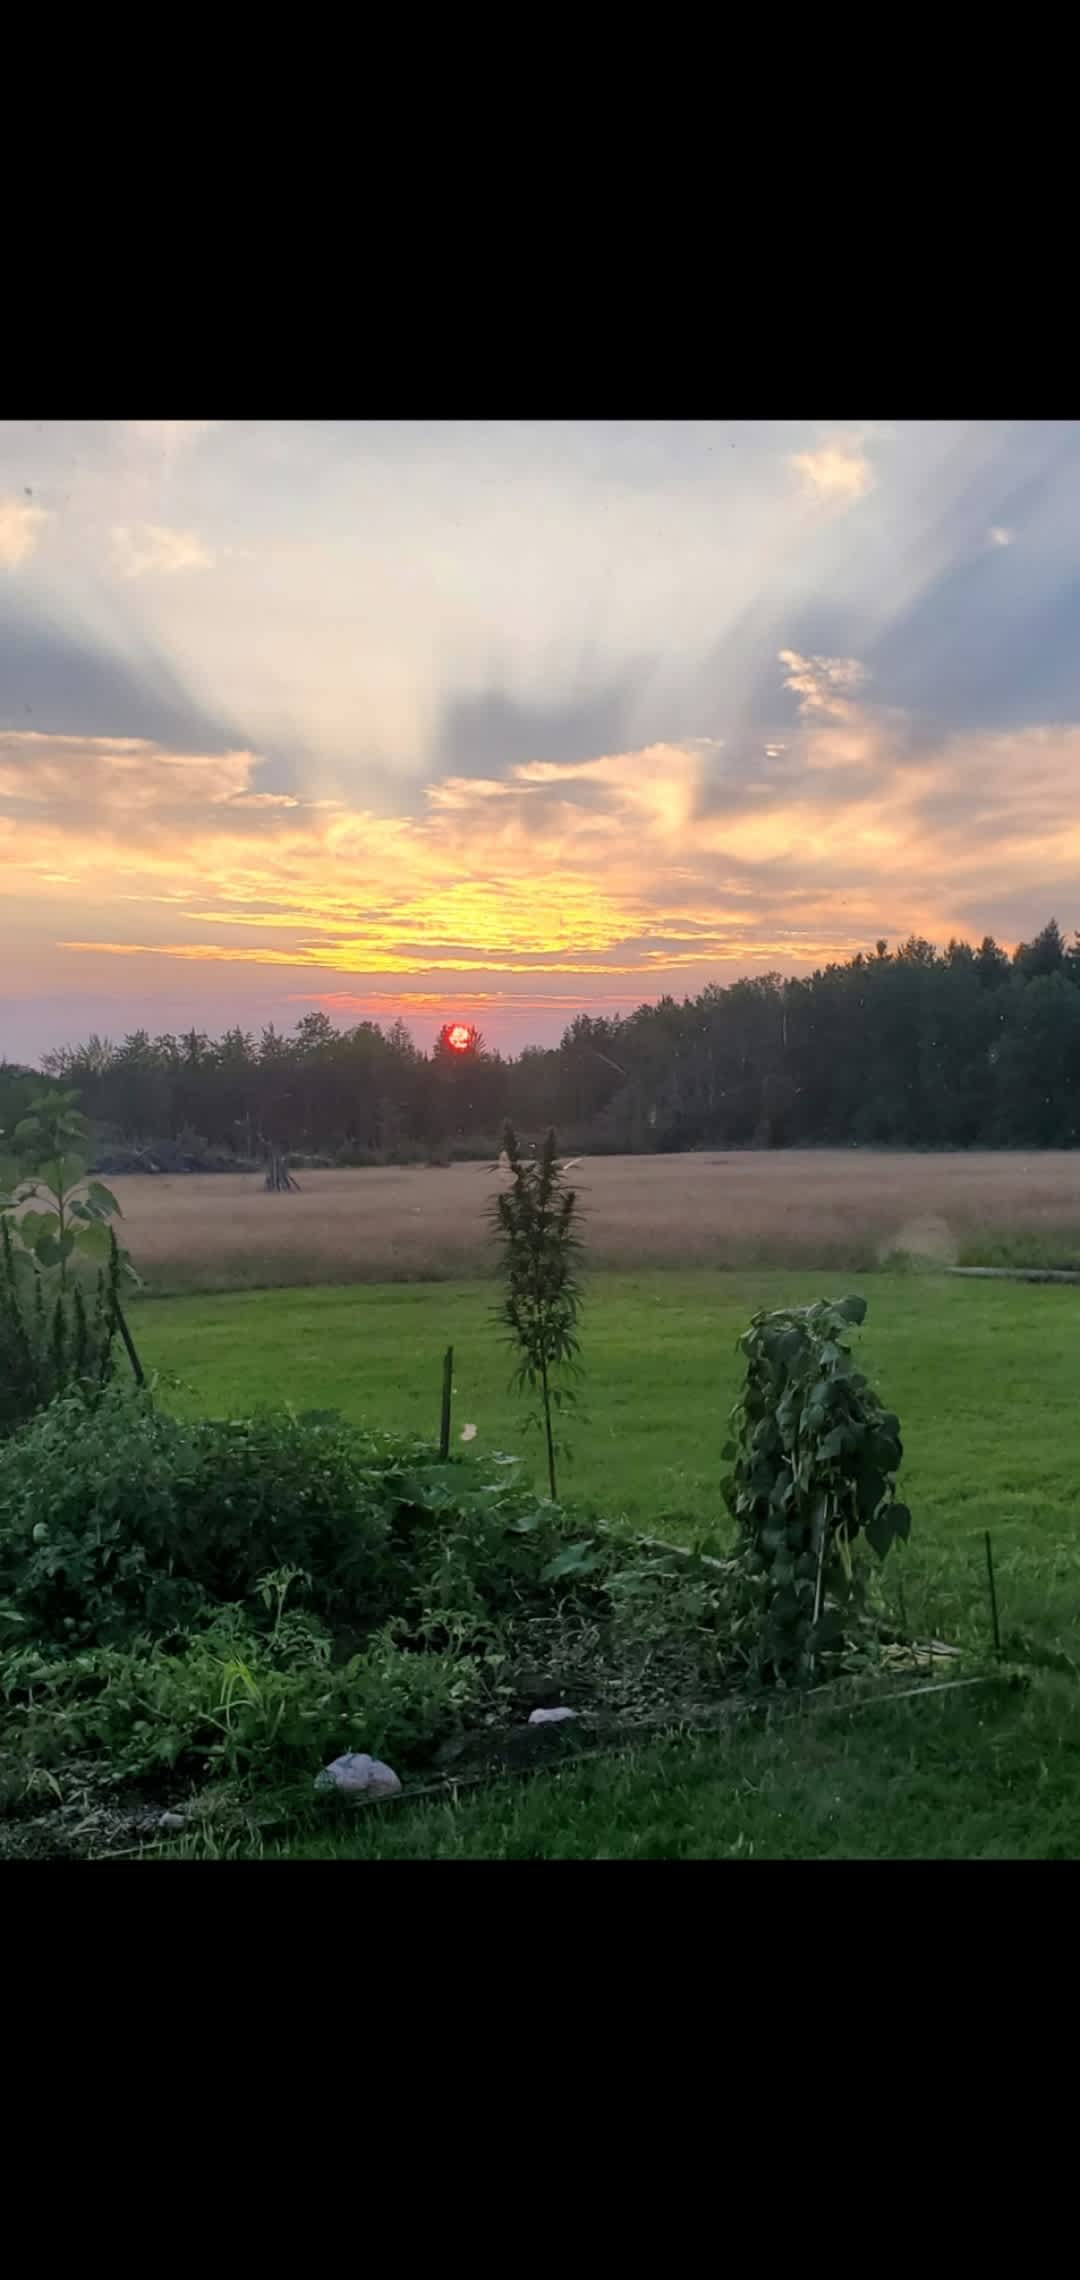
{"type": "Point", "coordinates": [985, 1380]}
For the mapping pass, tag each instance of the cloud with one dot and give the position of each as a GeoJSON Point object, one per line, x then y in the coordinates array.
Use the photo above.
{"type": "Point", "coordinates": [56, 676]}
{"type": "Point", "coordinates": [837, 471]}
{"type": "Point", "coordinates": [613, 876]}
{"type": "Point", "coordinates": [274, 800]}
{"type": "Point", "coordinates": [20, 528]}
{"type": "Point", "coordinates": [171, 438]}
{"type": "Point", "coordinates": [154, 549]}
{"type": "Point", "coordinates": [93, 785]}
{"type": "Point", "coordinates": [823, 685]}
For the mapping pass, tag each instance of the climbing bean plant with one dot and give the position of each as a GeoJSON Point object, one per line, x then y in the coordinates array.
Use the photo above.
{"type": "Point", "coordinates": [815, 1456]}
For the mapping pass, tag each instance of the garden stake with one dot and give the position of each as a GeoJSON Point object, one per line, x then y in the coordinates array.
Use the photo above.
{"type": "Point", "coordinates": [129, 1343]}
{"type": "Point", "coordinates": [993, 1595]}
{"type": "Point", "coordinates": [447, 1387]}
{"type": "Point", "coordinates": [817, 1587]}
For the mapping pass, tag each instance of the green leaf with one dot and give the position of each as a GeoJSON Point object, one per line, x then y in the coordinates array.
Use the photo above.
{"type": "Point", "coordinates": [853, 1309]}
{"type": "Point", "coordinates": [34, 1224]}
{"type": "Point", "coordinates": [880, 1530]}
{"type": "Point", "coordinates": [104, 1199]}
{"type": "Point", "coordinates": [901, 1520]}
{"type": "Point", "coordinates": [577, 1559]}
{"type": "Point", "coordinates": [93, 1241]}
{"type": "Point", "coordinates": [72, 1172]}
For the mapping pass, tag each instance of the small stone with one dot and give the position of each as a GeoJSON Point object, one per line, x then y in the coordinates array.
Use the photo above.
{"type": "Point", "coordinates": [550, 1717]}
{"type": "Point", "coordinates": [358, 1775]}
{"type": "Point", "coordinates": [172, 1820]}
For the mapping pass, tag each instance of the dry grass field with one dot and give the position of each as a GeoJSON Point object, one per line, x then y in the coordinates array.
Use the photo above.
{"type": "Point", "coordinates": [828, 1208]}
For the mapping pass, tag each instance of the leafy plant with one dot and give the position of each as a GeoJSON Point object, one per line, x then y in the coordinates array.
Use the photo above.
{"type": "Point", "coordinates": [126, 1521]}
{"type": "Point", "coordinates": [815, 1461]}
{"type": "Point", "coordinates": [220, 1703]}
{"type": "Point", "coordinates": [535, 1221]}
{"type": "Point", "coordinates": [62, 1270]}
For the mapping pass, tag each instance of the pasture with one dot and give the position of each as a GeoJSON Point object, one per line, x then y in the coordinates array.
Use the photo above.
{"type": "Point", "coordinates": [830, 1208]}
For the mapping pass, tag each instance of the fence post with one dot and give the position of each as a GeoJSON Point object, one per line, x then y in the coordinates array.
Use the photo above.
{"type": "Point", "coordinates": [447, 1387]}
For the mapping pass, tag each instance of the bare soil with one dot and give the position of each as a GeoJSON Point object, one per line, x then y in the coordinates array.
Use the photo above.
{"type": "Point", "coordinates": [828, 1208]}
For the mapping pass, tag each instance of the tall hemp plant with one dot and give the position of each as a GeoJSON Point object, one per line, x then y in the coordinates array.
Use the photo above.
{"type": "Point", "coordinates": [62, 1271]}
{"type": "Point", "coordinates": [535, 1221]}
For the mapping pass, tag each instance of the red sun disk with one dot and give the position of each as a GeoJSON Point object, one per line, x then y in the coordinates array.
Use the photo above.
{"type": "Point", "coordinates": [458, 1035]}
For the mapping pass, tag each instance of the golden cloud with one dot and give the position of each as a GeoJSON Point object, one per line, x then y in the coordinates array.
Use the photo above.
{"type": "Point", "coordinates": [155, 549]}
{"type": "Point", "coordinates": [628, 866]}
{"type": "Point", "coordinates": [837, 472]}
{"type": "Point", "coordinates": [21, 525]}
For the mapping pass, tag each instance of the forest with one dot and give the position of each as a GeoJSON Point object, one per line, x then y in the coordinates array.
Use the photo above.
{"type": "Point", "coordinates": [912, 1047]}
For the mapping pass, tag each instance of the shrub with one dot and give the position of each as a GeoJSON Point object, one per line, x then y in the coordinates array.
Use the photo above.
{"type": "Point", "coordinates": [125, 1520]}
{"type": "Point", "coordinates": [246, 1600]}
{"type": "Point", "coordinates": [816, 1457]}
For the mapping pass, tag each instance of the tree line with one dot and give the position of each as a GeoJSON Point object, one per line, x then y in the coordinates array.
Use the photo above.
{"type": "Point", "coordinates": [913, 1047]}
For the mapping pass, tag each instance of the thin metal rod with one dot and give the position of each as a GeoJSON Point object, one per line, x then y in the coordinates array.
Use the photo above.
{"type": "Point", "coordinates": [447, 1389]}
{"type": "Point", "coordinates": [993, 1595]}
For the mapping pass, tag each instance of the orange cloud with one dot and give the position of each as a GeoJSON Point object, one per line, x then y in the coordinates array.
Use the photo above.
{"type": "Point", "coordinates": [626, 867]}
{"type": "Point", "coordinates": [837, 472]}
{"type": "Point", "coordinates": [156, 549]}
{"type": "Point", "coordinates": [20, 528]}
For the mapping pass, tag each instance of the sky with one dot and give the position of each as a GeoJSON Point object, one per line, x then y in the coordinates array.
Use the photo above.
{"type": "Point", "coordinates": [501, 720]}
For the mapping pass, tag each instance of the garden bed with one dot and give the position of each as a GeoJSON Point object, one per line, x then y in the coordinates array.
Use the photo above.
{"type": "Point", "coordinates": [193, 1610]}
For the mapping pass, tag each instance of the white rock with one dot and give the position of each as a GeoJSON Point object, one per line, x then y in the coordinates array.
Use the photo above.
{"type": "Point", "coordinates": [359, 1775]}
{"type": "Point", "coordinates": [172, 1820]}
{"type": "Point", "coordinates": [550, 1717]}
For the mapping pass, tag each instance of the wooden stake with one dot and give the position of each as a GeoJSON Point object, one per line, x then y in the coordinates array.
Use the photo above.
{"type": "Point", "coordinates": [447, 1388]}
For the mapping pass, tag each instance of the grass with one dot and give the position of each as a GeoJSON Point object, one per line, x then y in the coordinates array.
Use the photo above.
{"type": "Point", "coordinates": [840, 1209]}
{"type": "Point", "coordinates": [984, 1377]}
{"type": "Point", "coordinates": [880, 1786]}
